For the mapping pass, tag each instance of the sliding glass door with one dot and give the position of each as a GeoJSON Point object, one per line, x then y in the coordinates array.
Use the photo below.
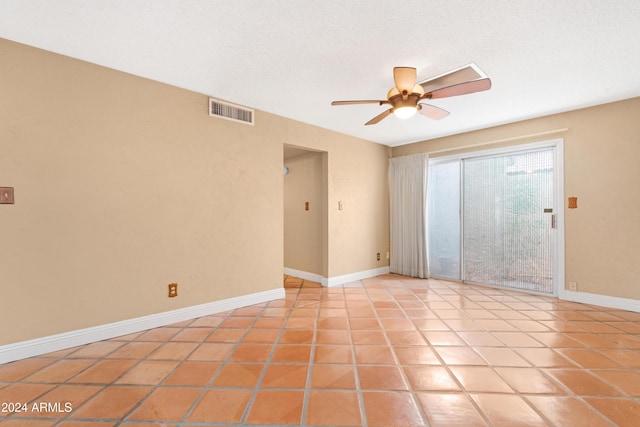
{"type": "Point", "coordinates": [491, 219]}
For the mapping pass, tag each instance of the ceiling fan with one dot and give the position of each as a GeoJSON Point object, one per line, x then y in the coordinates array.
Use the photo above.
{"type": "Point", "coordinates": [406, 95]}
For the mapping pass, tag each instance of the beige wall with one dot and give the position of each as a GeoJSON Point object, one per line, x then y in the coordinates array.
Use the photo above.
{"type": "Point", "coordinates": [602, 148]}
{"type": "Point", "coordinates": [123, 185]}
{"type": "Point", "coordinates": [303, 230]}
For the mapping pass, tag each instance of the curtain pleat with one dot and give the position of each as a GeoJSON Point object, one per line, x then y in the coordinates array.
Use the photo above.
{"type": "Point", "coordinates": [408, 216]}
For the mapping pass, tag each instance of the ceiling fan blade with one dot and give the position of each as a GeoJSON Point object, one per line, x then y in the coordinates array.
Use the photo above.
{"type": "Point", "coordinates": [460, 89]}
{"type": "Point", "coordinates": [404, 78]}
{"type": "Point", "coordinates": [379, 117]}
{"type": "Point", "coordinates": [459, 75]}
{"type": "Point", "coordinates": [433, 112]}
{"type": "Point", "coordinates": [368, 101]}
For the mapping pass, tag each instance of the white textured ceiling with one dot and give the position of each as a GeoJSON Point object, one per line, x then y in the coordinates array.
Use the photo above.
{"type": "Point", "coordinates": [293, 57]}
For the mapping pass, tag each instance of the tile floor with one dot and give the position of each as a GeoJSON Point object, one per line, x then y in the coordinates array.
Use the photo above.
{"type": "Point", "coordinates": [387, 351]}
{"type": "Point", "coordinates": [296, 282]}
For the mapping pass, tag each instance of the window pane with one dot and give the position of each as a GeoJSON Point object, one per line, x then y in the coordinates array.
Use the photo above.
{"type": "Point", "coordinates": [443, 198]}
{"type": "Point", "coordinates": [507, 234]}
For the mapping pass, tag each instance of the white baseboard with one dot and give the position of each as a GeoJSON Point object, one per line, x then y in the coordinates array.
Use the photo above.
{"type": "Point", "coordinates": [38, 346]}
{"type": "Point", "coordinates": [304, 275]}
{"type": "Point", "coordinates": [337, 280]}
{"type": "Point", "coordinates": [601, 300]}
{"type": "Point", "coordinates": [352, 277]}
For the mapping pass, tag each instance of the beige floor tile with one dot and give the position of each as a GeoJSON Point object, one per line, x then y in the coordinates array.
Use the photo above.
{"type": "Point", "coordinates": [501, 356]}
{"type": "Point", "coordinates": [625, 380]}
{"type": "Point", "coordinates": [441, 338]}
{"type": "Point", "coordinates": [113, 402]}
{"type": "Point", "coordinates": [18, 370]}
{"type": "Point", "coordinates": [480, 379]}
{"type": "Point", "coordinates": [333, 408]}
{"type": "Point", "coordinates": [391, 409]}
{"type": "Point", "coordinates": [173, 351]}
{"type": "Point", "coordinates": [103, 372]}
{"type": "Point", "coordinates": [60, 371]}
{"type": "Point", "coordinates": [238, 375]}
{"type": "Point", "coordinates": [506, 410]}
{"type": "Point", "coordinates": [285, 376]}
{"type": "Point", "coordinates": [559, 410]}
{"type": "Point", "coordinates": [166, 404]}
{"type": "Point", "coordinates": [622, 411]}
{"type": "Point", "coordinates": [333, 354]}
{"type": "Point", "coordinates": [529, 381]}
{"type": "Point", "coordinates": [388, 351]}
{"type": "Point", "coordinates": [416, 355]}
{"type": "Point", "coordinates": [433, 378]}
{"type": "Point", "coordinates": [450, 410]}
{"type": "Point", "coordinates": [582, 382]}
{"type": "Point", "coordinates": [588, 358]}
{"type": "Point", "coordinates": [374, 354]}
{"type": "Point", "coordinates": [459, 356]}
{"type": "Point", "coordinates": [193, 373]}
{"type": "Point", "coordinates": [220, 405]}
{"type": "Point", "coordinates": [381, 378]}
{"type": "Point", "coordinates": [147, 372]}
{"type": "Point", "coordinates": [276, 407]}
{"type": "Point", "coordinates": [333, 377]}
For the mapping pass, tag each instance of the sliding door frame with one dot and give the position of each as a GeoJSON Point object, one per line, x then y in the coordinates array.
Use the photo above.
{"type": "Point", "coordinates": [558, 202]}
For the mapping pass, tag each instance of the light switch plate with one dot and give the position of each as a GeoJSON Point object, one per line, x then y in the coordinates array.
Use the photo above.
{"type": "Point", "coordinates": [6, 195]}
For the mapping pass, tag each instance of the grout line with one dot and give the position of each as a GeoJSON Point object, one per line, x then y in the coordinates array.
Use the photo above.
{"type": "Point", "coordinates": [257, 387]}
{"type": "Point", "coordinates": [398, 365]}
{"type": "Point", "coordinates": [310, 365]}
{"type": "Point", "coordinates": [354, 363]}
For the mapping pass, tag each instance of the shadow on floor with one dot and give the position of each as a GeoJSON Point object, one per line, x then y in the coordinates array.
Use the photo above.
{"type": "Point", "coordinates": [296, 282]}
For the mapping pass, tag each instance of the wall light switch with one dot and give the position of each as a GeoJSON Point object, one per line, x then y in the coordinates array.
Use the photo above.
{"type": "Point", "coordinates": [340, 206]}
{"type": "Point", "coordinates": [306, 206]}
{"type": "Point", "coordinates": [573, 202]}
{"type": "Point", "coordinates": [6, 195]}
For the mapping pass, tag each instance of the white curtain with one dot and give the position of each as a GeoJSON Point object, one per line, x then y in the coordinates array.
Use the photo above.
{"type": "Point", "coordinates": [408, 202]}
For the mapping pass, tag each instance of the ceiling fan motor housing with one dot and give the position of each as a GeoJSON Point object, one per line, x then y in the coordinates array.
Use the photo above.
{"type": "Point", "coordinates": [412, 99]}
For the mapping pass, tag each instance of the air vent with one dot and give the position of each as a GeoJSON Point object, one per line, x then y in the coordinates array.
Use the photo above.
{"type": "Point", "coordinates": [226, 110]}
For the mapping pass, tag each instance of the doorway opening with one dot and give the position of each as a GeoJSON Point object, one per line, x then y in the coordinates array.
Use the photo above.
{"type": "Point", "coordinates": [305, 191]}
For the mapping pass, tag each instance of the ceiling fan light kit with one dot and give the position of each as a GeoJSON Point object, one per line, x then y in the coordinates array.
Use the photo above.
{"type": "Point", "coordinates": [404, 98]}
{"type": "Point", "coordinates": [404, 112]}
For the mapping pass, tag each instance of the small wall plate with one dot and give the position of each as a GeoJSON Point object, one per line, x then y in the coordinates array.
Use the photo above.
{"type": "Point", "coordinates": [173, 290]}
{"type": "Point", "coordinates": [6, 195]}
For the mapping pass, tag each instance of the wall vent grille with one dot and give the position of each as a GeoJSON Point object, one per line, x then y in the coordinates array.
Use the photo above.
{"type": "Point", "coordinates": [228, 111]}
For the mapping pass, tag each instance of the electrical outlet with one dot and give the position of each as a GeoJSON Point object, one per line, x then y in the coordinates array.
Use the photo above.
{"type": "Point", "coordinates": [378, 256]}
{"type": "Point", "coordinates": [573, 286]}
{"type": "Point", "coordinates": [6, 195]}
{"type": "Point", "coordinates": [173, 290]}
